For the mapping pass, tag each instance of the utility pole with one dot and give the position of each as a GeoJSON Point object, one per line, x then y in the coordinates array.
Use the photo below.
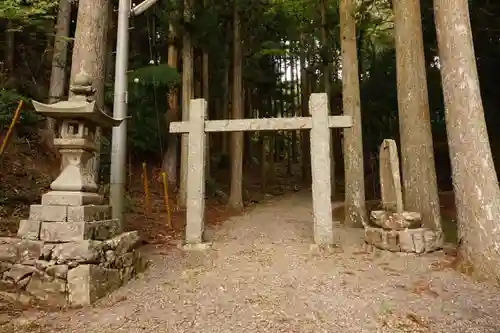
{"type": "Point", "coordinates": [119, 138]}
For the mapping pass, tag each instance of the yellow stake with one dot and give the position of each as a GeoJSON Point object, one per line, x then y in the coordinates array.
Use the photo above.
{"type": "Point", "coordinates": [167, 204]}
{"type": "Point", "coordinates": [11, 127]}
{"type": "Point", "coordinates": [146, 188]}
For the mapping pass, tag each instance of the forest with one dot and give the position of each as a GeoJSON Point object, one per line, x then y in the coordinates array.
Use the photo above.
{"type": "Point", "coordinates": [258, 59]}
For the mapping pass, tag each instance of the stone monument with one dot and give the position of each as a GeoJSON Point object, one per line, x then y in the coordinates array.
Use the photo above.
{"type": "Point", "coordinates": [70, 251]}
{"type": "Point", "coordinates": [393, 228]}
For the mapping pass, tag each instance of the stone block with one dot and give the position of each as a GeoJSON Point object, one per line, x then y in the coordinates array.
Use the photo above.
{"type": "Point", "coordinates": [87, 283]}
{"type": "Point", "coordinates": [86, 251]}
{"type": "Point", "coordinates": [56, 232]}
{"type": "Point", "coordinates": [88, 213]}
{"type": "Point", "coordinates": [58, 271]}
{"type": "Point", "coordinates": [29, 229]}
{"type": "Point", "coordinates": [18, 272]}
{"type": "Point", "coordinates": [392, 241]}
{"type": "Point", "coordinates": [396, 220]}
{"type": "Point", "coordinates": [406, 242]}
{"type": "Point", "coordinates": [65, 232]}
{"type": "Point", "coordinates": [66, 198]}
{"type": "Point", "coordinates": [433, 240]}
{"type": "Point", "coordinates": [47, 290]}
{"type": "Point", "coordinates": [28, 250]}
{"type": "Point", "coordinates": [50, 213]}
{"type": "Point", "coordinates": [124, 242]}
{"type": "Point", "coordinates": [8, 249]}
{"type": "Point", "coordinates": [105, 229]}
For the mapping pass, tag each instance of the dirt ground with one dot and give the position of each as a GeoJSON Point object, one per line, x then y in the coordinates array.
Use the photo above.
{"type": "Point", "coordinates": [261, 276]}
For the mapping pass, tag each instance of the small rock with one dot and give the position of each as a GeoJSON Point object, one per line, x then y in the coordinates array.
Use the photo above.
{"type": "Point", "coordinates": [111, 258]}
{"type": "Point", "coordinates": [47, 251]}
{"type": "Point", "coordinates": [24, 282]}
{"type": "Point", "coordinates": [19, 272]}
{"type": "Point", "coordinates": [124, 242]}
{"type": "Point", "coordinates": [4, 266]}
{"type": "Point", "coordinates": [29, 250]}
{"type": "Point", "coordinates": [86, 251]}
{"type": "Point", "coordinates": [8, 252]}
{"type": "Point", "coordinates": [127, 259]}
{"type": "Point", "coordinates": [396, 221]}
{"type": "Point", "coordinates": [42, 264]}
{"type": "Point", "coordinates": [48, 290]}
{"type": "Point", "coordinates": [58, 271]}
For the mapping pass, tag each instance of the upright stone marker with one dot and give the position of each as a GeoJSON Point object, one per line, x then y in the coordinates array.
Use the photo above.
{"type": "Point", "coordinates": [320, 165]}
{"type": "Point", "coordinates": [70, 250]}
{"type": "Point", "coordinates": [196, 175]}
{"type": "Point", "coordinates": [390, 179]}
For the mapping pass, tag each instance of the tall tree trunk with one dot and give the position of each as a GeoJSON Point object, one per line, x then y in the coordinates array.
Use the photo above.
{"type": "Point", "coordinates": [206, 96]}
{"type": "Point", "coordinates": [328, 87]}
{"type": "Point", "coordinates": [225, 109]}
{"type": "Point", "coordinates": [304, 99]}
{"type": "Point", "coordinates": [58, 79]}
{"type": "Point", "coordinates": [170, 158]}
{"type": "Point", "coordinates": [475, 182]}
{"type": "Point", "coordinates": [236, 192]}
{"type": "Point", "coordinates": [89, 55]}
{"type": "Point", "coordinates": [355, 210]}
{"type": "Point", "coordinates": [417, 154]}
{"type": "Point", "coordinates": [10, 48]}
{"type": "Point", "coordinates": [187, 94]}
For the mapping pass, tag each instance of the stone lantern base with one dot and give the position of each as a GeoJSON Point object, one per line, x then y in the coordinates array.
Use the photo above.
{"type": "Point", "coordinates": [67, 254]}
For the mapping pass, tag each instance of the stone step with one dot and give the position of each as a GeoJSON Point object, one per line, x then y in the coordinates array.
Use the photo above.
{"type": "Point", "coordinates": [59, 232]}
{"type": "Point", "coordinates": [56, 213]}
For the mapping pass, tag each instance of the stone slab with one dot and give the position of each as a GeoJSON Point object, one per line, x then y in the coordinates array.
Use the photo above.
{"type": "Point", "coordinates": [321, 170]}
{"type": "Point", "coordinates": [58, 232]}
{"type": "Point", "coordinates": [48, 290]}
{"type": "Point", "coordinates": [88, 213]}
{"type": "Point", "coordinates": [420, 240]}
{"type": "Point", "coordinates": [123, 242]}
{"type": "Point", "coordinates": [86, 252]}
{"type": "Point", "coordinates": [88, 283]}
{"type": "Point", "coordinates": [396, 220]}
{"type": "Point", "coordinates": [63, 198]}
{"type": "Point", "coordinates": [390, 176]}
{"type": "Point", "coordinates": [196, 177]}
{"type": "Point", "coordinates": [48, 213]}
{"type": "Point", "coordinates": [29, 229]}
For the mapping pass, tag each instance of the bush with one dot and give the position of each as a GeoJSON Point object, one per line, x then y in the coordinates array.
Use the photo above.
{"type": "Point", "coordinates": [28, 119]}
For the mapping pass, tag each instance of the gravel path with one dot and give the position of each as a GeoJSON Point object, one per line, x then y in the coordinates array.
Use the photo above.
{"type": "Point", "coordinates": [261, 276]}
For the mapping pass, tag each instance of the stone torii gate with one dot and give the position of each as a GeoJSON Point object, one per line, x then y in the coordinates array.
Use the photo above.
{"type": "Point", "coordinates": [319, 123]}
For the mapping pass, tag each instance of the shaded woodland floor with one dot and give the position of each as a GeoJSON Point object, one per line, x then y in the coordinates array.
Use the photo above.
{"type": "Point", "coordinates": [262, 276]}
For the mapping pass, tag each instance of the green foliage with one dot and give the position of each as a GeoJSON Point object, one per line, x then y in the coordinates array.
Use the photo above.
{"type": "Point", "coordinates": [27, 11]}
{"type": "Point", "coordinates": [155, 75]}
{"type": "Point", "coordinates": [28, 119]}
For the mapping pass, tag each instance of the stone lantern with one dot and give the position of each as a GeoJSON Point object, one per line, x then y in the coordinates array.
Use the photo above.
{"type": "Point", "coordinates": [70, 251]}
{"type": "Point", "coordinates": [78, 119]}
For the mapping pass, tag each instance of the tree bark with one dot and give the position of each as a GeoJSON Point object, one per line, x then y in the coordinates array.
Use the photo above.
{"type": "Point", "coordinates": [58, 77]}
{"type": "Point", "coordinates": [355, 210]}
{"type": "Point", "coordinates": [475, 182]}
{"type": "Point", "coordinates": [187, 94]}
{"type": "Point", "coordinates": [10, 48]}
{"type": "Point", "coordinates": [170, 158]}
{"type": "Point", "coordinates": [236, 144]}
{"type": "Point", "coordinates": [417, 154]}
{"type": "Point", "coordinates": [328, 89]}
{"type": "Point", "coordinates": [89, 55]}
{"type": "Point", "coordinates": [304, 100]}
{"type": "Point", "coordinates": [206, 96]}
